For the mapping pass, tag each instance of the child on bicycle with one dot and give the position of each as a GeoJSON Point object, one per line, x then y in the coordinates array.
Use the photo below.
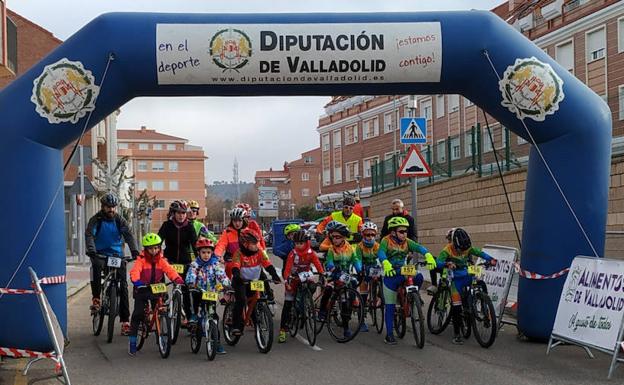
{"type": "Point", "coordinates": [299, 260]}
{"type": "Point", "coordinates": [150, 267]}
{"type": "Point", "coordinates": [366, 252]}
{"type": "Point", "coordinates": [339, 258]}
{"type": "Point", "coordinates": [206, 274]}
{"type": "Point", "coordinates": [247, 263]}
{"type": "Point", "coordinates": [393, 252]}
{"type": "Point", "coordinates": [456, 256]}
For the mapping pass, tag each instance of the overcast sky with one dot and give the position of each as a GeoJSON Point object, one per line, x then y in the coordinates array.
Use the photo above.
{"type": "Point", "coordinates": [260, 132]}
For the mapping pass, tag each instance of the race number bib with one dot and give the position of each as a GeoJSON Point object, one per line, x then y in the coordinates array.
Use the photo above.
{"type": "Point", "coordinates": [158, 288]}
{"type": "Point", "coordinates": [475, 270]}
{"type": "Point", "coordinates": [113, 262]}
{"type": "Point", "coordinates": [178, 268]}
{"type": "Point", "coordinates": [257, 285]}
{"type": "Point", "coordinates": [210, 296]}
{"type": "Point", "coordinates": [408, 270]}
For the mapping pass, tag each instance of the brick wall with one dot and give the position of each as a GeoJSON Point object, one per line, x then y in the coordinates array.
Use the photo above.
{"type": "Point", "coordinates": [479, 206]}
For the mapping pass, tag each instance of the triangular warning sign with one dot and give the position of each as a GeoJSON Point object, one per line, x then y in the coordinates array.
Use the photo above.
{"type": "Point", "coordinates": [414, 131]}
{"type": "Point", "coordinates": [414, 164]}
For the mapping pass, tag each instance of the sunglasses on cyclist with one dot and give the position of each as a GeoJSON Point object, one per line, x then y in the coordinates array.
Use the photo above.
{"type": "Point", "coordinates": [347, 207]}
{"type": "Point", "coordinates": [402, 231]}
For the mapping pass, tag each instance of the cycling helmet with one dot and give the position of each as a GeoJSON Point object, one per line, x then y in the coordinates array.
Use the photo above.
{"type": "Point", "coordinates": [178, 207]}
{"type": "Point", "coordinates": [337, 227]}
{"type": "Point", "coordinates": [109, 199]}
{"type": "Point", "coordinates": [461, 239]}
{"type": "Point", "coordinates": [204, 243]}
{"type": "Point", "coordinates": [371, 226]}
{"type": "Point", "coordinates": [397, 222]}
{"type": "Point", "coordinates": [300, 236]}
{"type": "Point", "coordinates": [151, 239]}
{"type": "Point", "coordinates": [246, 207]}
{"type": "Point", "coordinates": [449, 235]}
{"type": "Point", "coordinates": [237, 213]}
{"type": "Point", "coordinates": [291, 227]}
{"type": "Point", "coordinates": [248, 235]}
{"type": "Point", "coordinates": [348, 201]}
{"type": "Point", "coordinates": [193, 204]}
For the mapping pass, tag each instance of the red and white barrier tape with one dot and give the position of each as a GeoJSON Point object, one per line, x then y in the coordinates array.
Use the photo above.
{"type": "Point", "coordinates": [57, 279]}
{"type": "Point", "coordinates": [530, 275]}
{"type": "Point", "coordinates": [16, 291]}
{"type": "Point", "coordinates": [24, 353]}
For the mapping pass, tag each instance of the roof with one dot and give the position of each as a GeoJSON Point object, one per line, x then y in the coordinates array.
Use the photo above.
{"type": "Point", "coordinates": [272, 174]}
{"type": "Point", "coordinates": [147, 135]}
{"type": "Point", "coordinates": [14, 15]}
{"type": "Point", "coordinates": [336, 99]}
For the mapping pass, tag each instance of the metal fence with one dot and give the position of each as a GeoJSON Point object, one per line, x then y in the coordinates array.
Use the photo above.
{"type": "Point", "coordinates": [454, 156]}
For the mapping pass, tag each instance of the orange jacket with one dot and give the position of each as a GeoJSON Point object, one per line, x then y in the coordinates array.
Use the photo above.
{"type": "Point", "coordinates": [142, 269]}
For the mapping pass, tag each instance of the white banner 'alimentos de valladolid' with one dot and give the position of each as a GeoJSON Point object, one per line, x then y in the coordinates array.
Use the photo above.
{"type": "Point", "coordinates": [314, 53]}
{"type": "Point", "coordinates": [592, 301]}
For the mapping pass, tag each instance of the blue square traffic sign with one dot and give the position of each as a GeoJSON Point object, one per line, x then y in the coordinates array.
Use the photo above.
{"type": "Point", "coordinates": [413, 130]}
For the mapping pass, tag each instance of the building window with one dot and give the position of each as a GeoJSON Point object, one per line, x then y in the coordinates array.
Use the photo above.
{"type": "Point", "coordinates": [620, 34]}
{"type": "Point", "coordinates": [326, 177]}
{"type": "Point", "coordinates": [173, 185]}
{"type": "Point", "coordinates": [171, 147]}
{"type": "Point", "coordinates": [305, 192]}
{"type": "Point", "coordinates": [453, 103]}
{"type": "Point", "coordinates": [596, 43]}
{"type": "Point", "coordinates": [455, 148]}
{"type": "Point", "coordinates": [564, 55]}
{"type": "Point", "coordinates": [157, 146]}
{"type": "Point", "coordinates": [388, 156]}
{"type": "Point", "coordinates": [308, 160]}
{"type": "Point", "coordinates": [439, 106]}
{"type": "Point", "coordinates": [370, 128]}
{"type": "Point", "coordinates": [388, 122]}
{"type": "Point", "coordinates": [337, 138]}
{"type": "Point", "coordinates": [441, 150]}
{"type": "Point", "coordinates": [141, 165]}
{"type": "Point", "coordinates": [158, 166]}
{"type": "Point", "coordinates": [352, 170]}
{"type": "Point", "coordinates": [338, 174]}
{"type": "Point", "coordinates": [368, 164]}
{"type": "Point", "coordinates": [305, 176]}
{"type": "Point", "coordinates": [159, 204]}
{"type": "Point", "coordinates": [485, 138]}
{"type": "Point", "coordinates": [143, 146]}
{"type": "Point", "coordinates": [173, 166]}
{"type": "Point", "coordinates": [122, 146]}
{"type": "Point", "coordinates": [141, 185]}
{"type": "Point", "coordinates": [621, 101]}
{"type": "Point", "coordinates": [521, 140]}
{"type": "Point", "coordinates": [468, 102]}
{"type": "Point", "coordinates": [325, 141]}
{"type": "Point", "coordinates": [425, 107]}
{"type": "Point", "coordinates": [351, 134]}
{"type": "Point", "coordinates": [468, 144]}
{"type": "Point", "coordinates": [158, 185]}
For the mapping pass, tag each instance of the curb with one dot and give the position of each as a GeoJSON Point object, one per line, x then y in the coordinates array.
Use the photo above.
{"type": "Point", "coordinates": [77, 289]}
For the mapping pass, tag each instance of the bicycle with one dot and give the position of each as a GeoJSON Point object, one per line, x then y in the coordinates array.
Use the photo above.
{"type": "Point", "coordinates": [409, 305]}
{"type": "Point", "coordinates": [175, 309]}
{"type": "Point", "coordinates": [110, 300]}
{"type": "Point", "coordinates": [345, 309]}
{"type": "Point", "coordinates": [375, 304]}
{"type": "Point", "coordinates": [478, 308]}
{"type": "Point", "coordinates": [302, 311]}
{"type": "Point", "coordinates": [256, 314]}
{"type": "Point", "coordinates": [156, 319]}
{"type": "Point", "coordinates": [439, 311]}
{"type": "Point", "coordinates": [206, 325]}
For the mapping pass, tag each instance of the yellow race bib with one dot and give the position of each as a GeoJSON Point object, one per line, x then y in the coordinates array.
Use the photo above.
{"type": "Point", "coordinates": [475, 270]}
{"type": "Point", "coordinates": [178, 268]}
{"type": "Point", "coordinates": [158, 288]}
{"type": "Point", "coordinates": [210, 296]}
{"type": "Point", "coordinates": [408, 270]}
{"type": "Point", "coordinates": [257, 285]}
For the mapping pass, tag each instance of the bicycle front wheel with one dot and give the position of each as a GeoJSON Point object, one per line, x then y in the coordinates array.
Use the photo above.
{"type": "Point", "coordinates": [97, 321]}
{"type": "Point", "coordinates": [400, 324]}
{"type": "Point", "coordinates": [163, 335]}
{"type": "Point", "coordinates": [175, 315]}
{"type": "Point", "coordinates": [113, 308]}
{"type": "Point", "coordinates": [196, 337]}
{"type": "Point", "coordinates": [293, 319]}
{"type": "Point", "coordinates": [142, 333]}
{"type": "Point", "coordinates": [264, 327]}
{"type": "Point", "coordinates": [483, 319]}
{"type": "Point", "coordinates": [346, 314]}
{"type": "Point", "coordinates": [439, 311]}
{"type": "Point", "coordinates": [377, 305]}
{"type": "Point", "coordinates": [212, 339]}
{"type": "Point", "coordinates": [228, 312]}
{"type": "Point", "coordinates": [309, 318]}
{"type": "Point", "coordinates": [418, 320]}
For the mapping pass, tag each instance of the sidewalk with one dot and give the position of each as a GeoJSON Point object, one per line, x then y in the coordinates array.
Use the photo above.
{"type": "Point", "coordinates": [78, 277]}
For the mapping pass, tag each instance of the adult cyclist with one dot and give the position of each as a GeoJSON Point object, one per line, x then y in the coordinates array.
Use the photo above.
{"type": "Point", "coordinates": [200, 229]}
{"type": "Point", "coordinates": [352, 221]}
{"type": "Point", "coordinates": [105, 235]}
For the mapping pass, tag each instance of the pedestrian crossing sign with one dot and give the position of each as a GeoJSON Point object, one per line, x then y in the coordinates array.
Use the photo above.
{"type": "Point", "coordinates": [413, 130]}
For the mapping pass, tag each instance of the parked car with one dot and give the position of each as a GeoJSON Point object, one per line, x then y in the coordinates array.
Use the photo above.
{"type": "Point", "coordinates": [315, 239]}
{"type": "Point", "coordinates": [268, 238]}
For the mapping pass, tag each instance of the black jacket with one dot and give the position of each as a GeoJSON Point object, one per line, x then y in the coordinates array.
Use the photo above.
{"type": "Point", "coordinates": [178, 242]}
{"type": "Point", "coordinates": [410, 231]}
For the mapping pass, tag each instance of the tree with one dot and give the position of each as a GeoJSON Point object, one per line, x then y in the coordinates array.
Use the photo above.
{"type": "Point", "coordinates": [309, 213]}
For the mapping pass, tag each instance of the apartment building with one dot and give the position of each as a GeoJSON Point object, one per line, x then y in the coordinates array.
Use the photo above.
{"type": "Point", "coordinates": [586, 37]}
{"type": "Point", "coordinates": [166, 166]}
{"type": "Point", "coordinates": [305, 178]}
{"type": "Point", "coordinates": [274, 194]}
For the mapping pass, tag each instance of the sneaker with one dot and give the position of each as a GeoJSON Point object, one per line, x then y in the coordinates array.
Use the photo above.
{"type": "Point", "coordinates": [125, 328]}
{"type": "Point", "coordinates": [390, 340]}
{"type": "Point", "coordinates": [363, 327]}
{"type": "Point", "coordinates": [347, 333]}
{"type": "Point", "coordinates": [193, 319]}
{"type": "Point", "coordinates": [220, 349]}
{"type": "Point", "coordinates": [282, 336]}
{"type": "Point", "coordinates": [431, 290]}
{"type": "Point", "coordinates": [132, 347]}
{"type": "Point", "coordinates": [458, 340]}
{"type": "Point", "coordinates": [95, 305]}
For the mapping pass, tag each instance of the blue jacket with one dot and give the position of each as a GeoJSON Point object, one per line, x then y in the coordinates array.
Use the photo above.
{"type": "Point", "coordinates": [284, 249]}
{"type": "Point", "coordinates": [106, 236]}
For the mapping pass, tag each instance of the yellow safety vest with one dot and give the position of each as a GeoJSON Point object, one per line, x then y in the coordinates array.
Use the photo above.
{"type": "Point", "coordinates": [352, 223]}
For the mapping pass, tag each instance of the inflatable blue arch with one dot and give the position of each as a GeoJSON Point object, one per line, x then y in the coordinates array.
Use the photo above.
{"type": "Point", "coordinates": [148, 54]}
